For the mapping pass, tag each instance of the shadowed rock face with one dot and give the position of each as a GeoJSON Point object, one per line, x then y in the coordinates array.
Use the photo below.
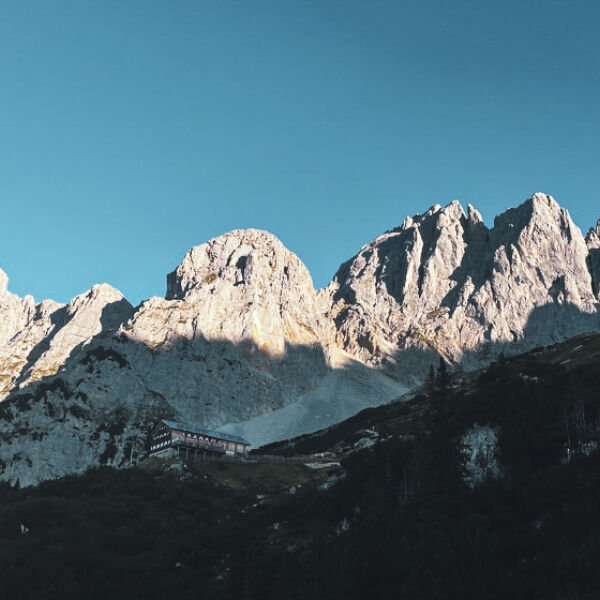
{"type": "Point", "coordinates": [242, 339]}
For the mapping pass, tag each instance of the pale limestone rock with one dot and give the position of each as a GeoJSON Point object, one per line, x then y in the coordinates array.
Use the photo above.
{"type": "Point", "coordinates": [100, 309]}
{"type": "Point", "coordinates": [244, 285]}
{"type": "Point", "coordinates": [443, 284]}
{"type": "Point", "coordinates": [593, 244]}
{"type": "Point", "coordinates": [242, 339]}
{"type": "Point", "coordinates": [245, 333]}
{"type": "Point", "coordinates": [18, 354]}
{"type": "Point", "coordinates": [242, 333]}
{"type": "Point", "coordinates": [52, 331]}
{"type": "Point", "coordinates": [14, 311]}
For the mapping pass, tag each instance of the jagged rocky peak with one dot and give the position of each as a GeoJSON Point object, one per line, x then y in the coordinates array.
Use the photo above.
{"type": "Point", "coordinates": [15, 312]}
{"type": "Point", "coordinates": [444, 282]}
{"type": "Point", "coordinates": [413, 264]}
{"type": "Point", "coordinates": [44, 343]}
{"type": "Point", "coordinates": [242, 339]}
{"type": "Point", "coordinates": [538, 243]}
{"type": "Point", "coordinates": [242, 285]}
{"type": "Point", "coordinates": [593, 236]}
{"type": "Point", "coordinates": [3, 281]}
{"type": "Point", "coordinates": [593, 244]}
{"type": "Point", "coordinates": [379, 296]}
{"type": "Point", "coordinates": [102, 305]}
{"type": "Point", "coordinates": [474, 216]}
{"type": "Point", "coordinates": [540, 215]}
{"type": "Point", "coordinates": [100, 309]}
{"type": "Point", "coordinates": [243, 257]}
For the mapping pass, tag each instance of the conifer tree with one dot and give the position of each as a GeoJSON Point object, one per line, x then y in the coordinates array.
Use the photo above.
{"type": "Point", "coordinates": [431, 378]}
{"type": "Point", "coordinates": [443, 377]}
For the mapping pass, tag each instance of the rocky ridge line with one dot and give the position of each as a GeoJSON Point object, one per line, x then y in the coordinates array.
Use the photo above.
{"type": "Point", "coordinates": [244, 341]}
{"type": "Point", "coordinates": [445, 283]}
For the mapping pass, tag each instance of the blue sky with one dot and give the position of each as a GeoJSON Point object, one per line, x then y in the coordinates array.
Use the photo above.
{"type": "Point", "coordinates": [134, 130]}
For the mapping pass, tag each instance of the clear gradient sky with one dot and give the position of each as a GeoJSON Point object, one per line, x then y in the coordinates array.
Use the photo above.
{"type": "Point", "coordinates": [133, 130]}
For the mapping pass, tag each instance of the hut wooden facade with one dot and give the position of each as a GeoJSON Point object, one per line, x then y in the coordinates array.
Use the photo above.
{"type": "Point", "coordinates": [172, 438]}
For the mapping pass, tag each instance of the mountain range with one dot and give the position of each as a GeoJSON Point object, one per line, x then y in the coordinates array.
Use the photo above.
{"type": "Point", "coordinates": [243, 342]}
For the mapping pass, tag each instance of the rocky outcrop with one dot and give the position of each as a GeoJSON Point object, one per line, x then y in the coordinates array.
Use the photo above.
{"type": "Point", "coordinates": [479, 447]}
{"type": "Point", "coordinates": [593, 244]}
{"type": "Point", "coordinates": [241, 333]}
{"type": "Point", "coordinates": [246, 334]}
{"type": "Point", "coordinates": [242, 340]}
{"type": "Point", "coordinates": [244, 285]}
{"type": "Point", "coordinates": [445, 283]}
{"type": "Point", "coordinates": [14, 311]}
{"type": "Point", "coordinates": [51, 331]}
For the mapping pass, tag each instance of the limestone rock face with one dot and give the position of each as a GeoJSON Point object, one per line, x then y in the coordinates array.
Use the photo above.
{"type": "Point", "coordinates": [243, 341]}
{"type": "Point", "coordinates": [444, 283]}
{"type": "Point", "coordinates": [244, 285]}
{"type": "Point", "coordinates": [242, 333]}
{"type": "Point", "coordinates": [593, 243]}
{"type": "Point", "coordinates": [14, 311]}
{"type": "Point", "coordinates": [51, 331]}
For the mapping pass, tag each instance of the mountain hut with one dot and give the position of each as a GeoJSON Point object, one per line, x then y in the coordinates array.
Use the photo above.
{"type": "Point", "coordinates": [169, 438]}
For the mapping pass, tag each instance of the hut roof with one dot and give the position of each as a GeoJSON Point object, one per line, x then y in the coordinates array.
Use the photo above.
{"type": "Point", "coordinates": [220, 435]}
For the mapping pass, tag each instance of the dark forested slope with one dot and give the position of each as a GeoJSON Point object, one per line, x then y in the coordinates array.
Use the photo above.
{"type": "Point", "coordinates": [394, 519]}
